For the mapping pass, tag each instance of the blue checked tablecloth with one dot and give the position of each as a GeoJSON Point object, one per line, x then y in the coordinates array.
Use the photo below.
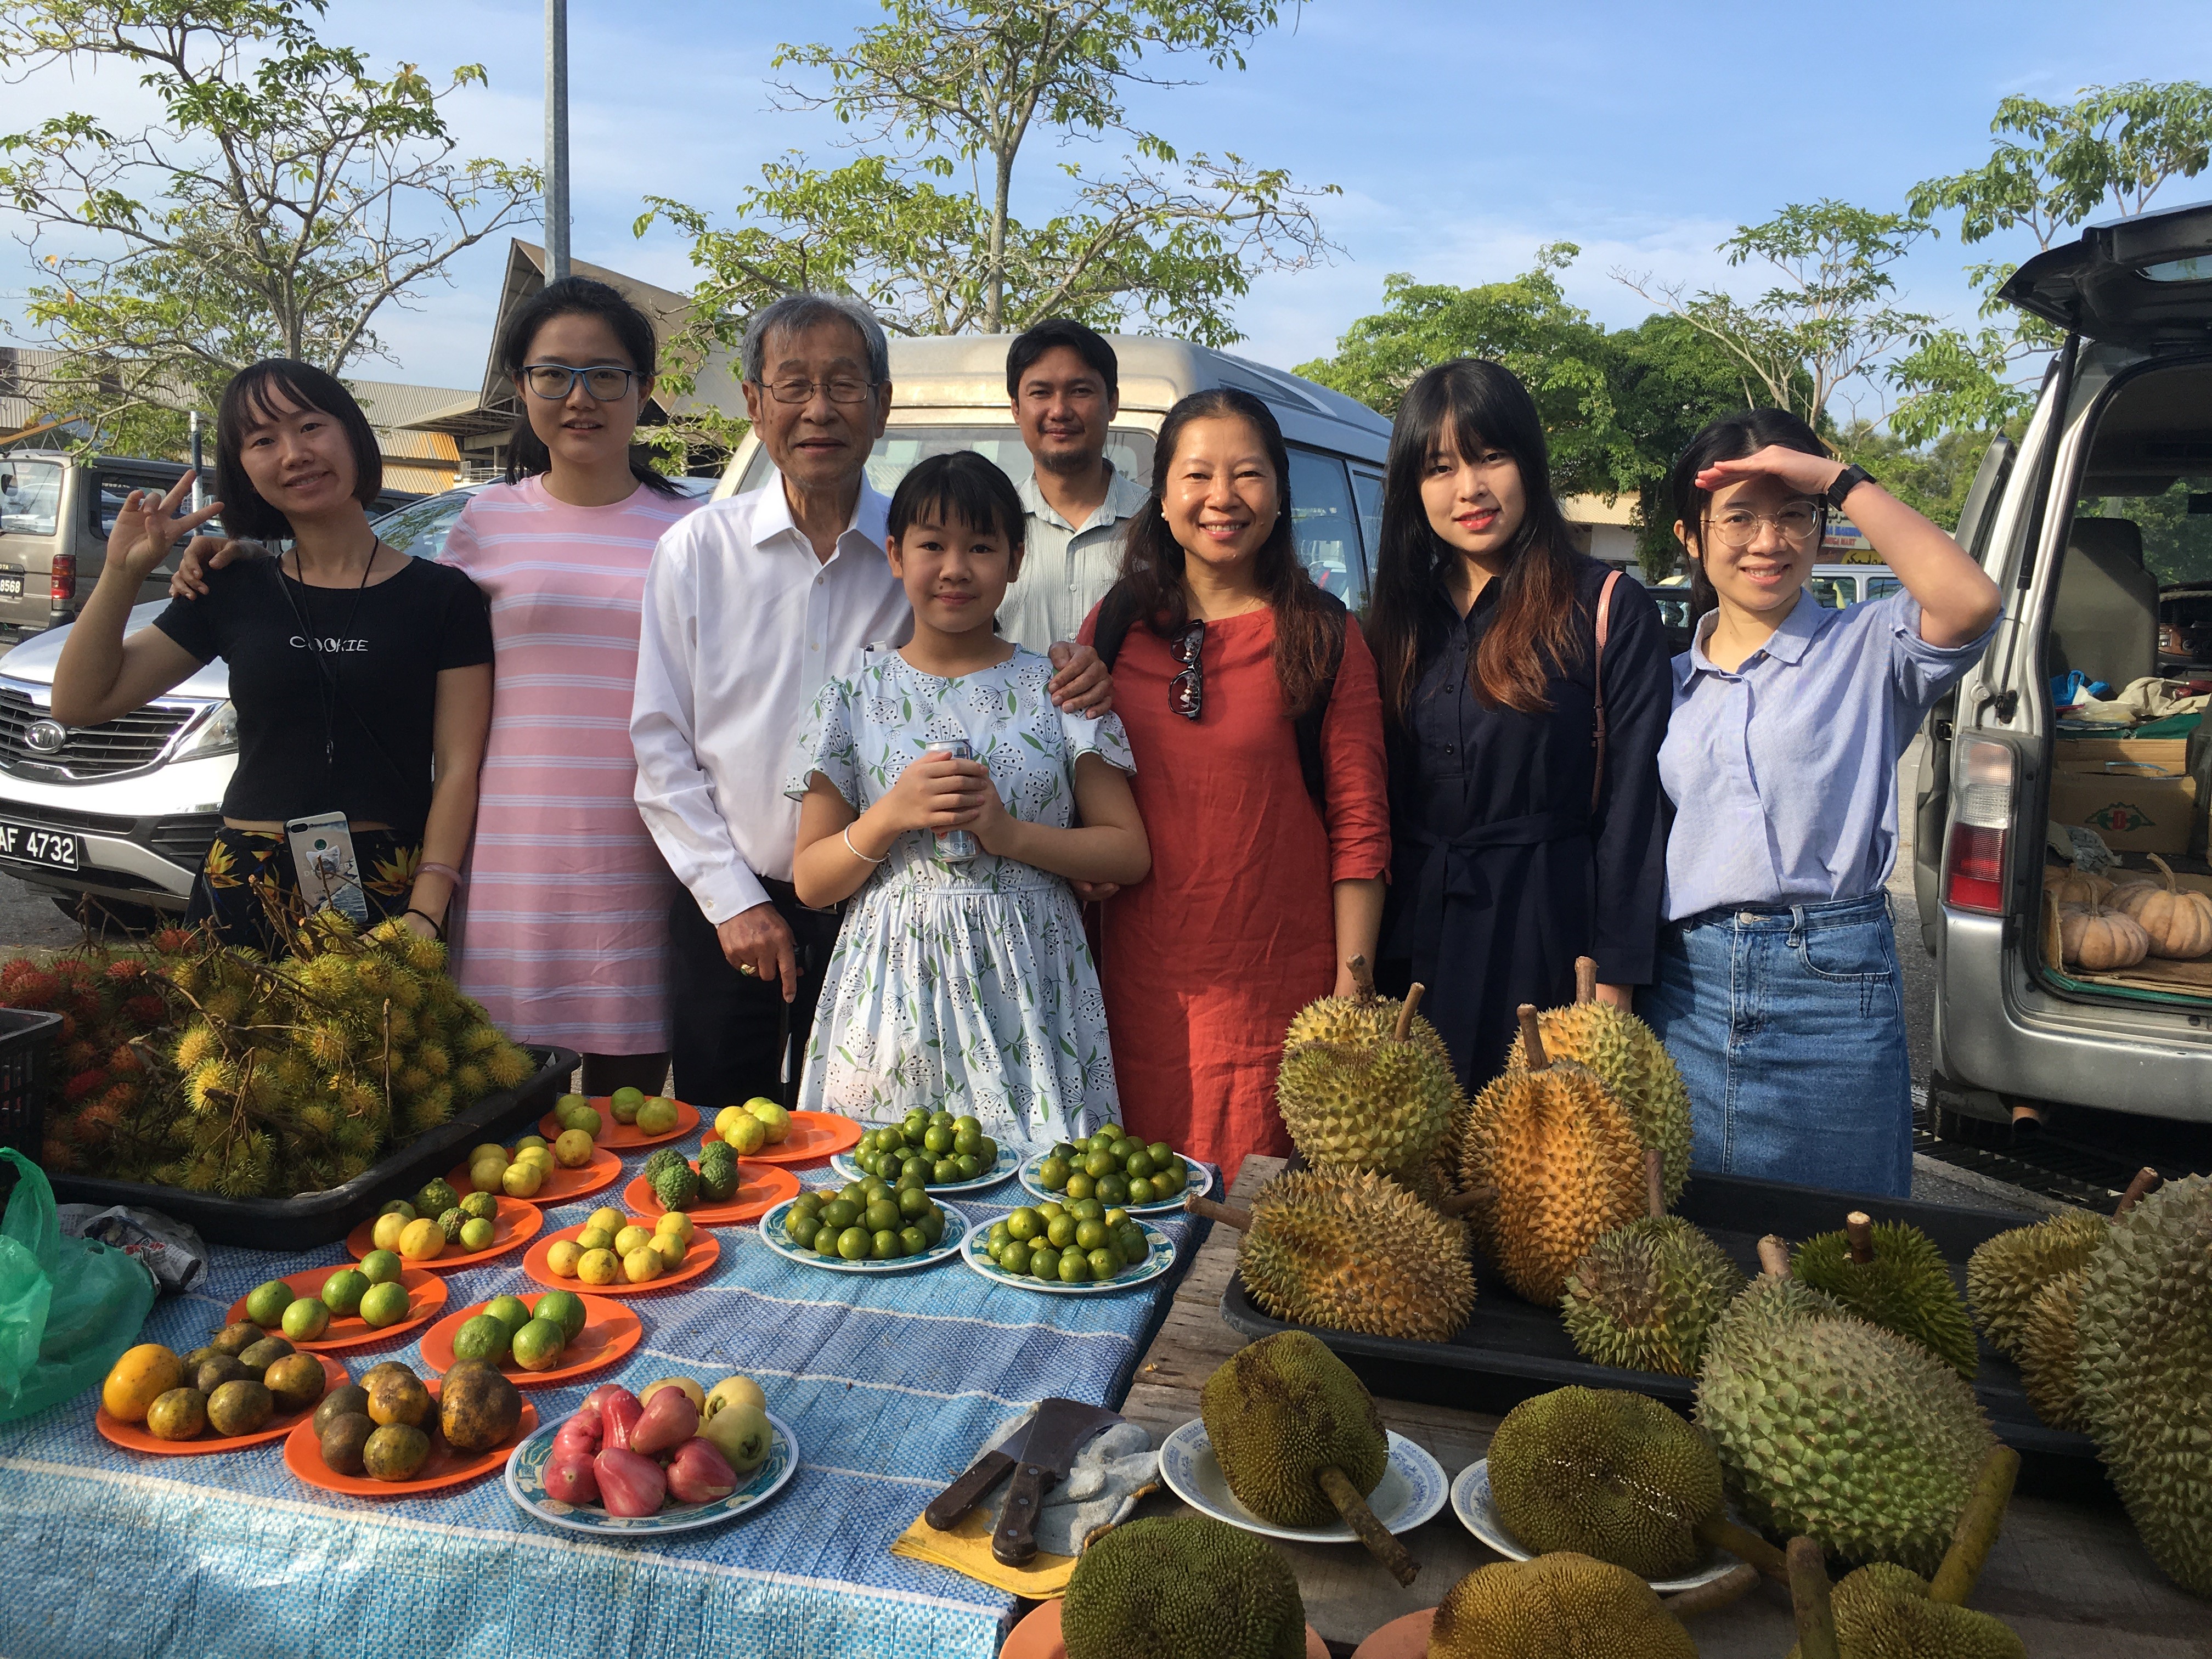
{"type": "Point", "coordinates": [889, 1384]}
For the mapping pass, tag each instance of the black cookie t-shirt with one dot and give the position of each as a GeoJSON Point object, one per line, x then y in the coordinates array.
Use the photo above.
{"type": "Point", "coordinates": [357, 667]}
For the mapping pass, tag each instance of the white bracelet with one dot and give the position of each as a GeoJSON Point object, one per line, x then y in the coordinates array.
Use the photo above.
{"type": "Point", "coordinates": [858, 853]}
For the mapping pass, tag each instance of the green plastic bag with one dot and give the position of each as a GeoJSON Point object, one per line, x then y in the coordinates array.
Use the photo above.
{"type": "Point", "coordinates": [69, 1307]}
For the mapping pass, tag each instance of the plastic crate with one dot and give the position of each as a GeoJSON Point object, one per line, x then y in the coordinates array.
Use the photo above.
{"type": "Point", "coordinates": [25, 1037]}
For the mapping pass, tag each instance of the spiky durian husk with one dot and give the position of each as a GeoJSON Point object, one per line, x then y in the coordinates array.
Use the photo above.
{"type": "Point", "coordinates": [1379, 1105]}
{"type": "Point", "coordinates": [2049, 1343]}
{"type": "Point", "coordinates": [1356, 1252]}
{"type": "Point", "coordinates": [1644, 1296]}
{"type": "Point", "coordinates": [1637, 1071]}
{"type": "Point", "coordinates": [1562, 1165]}
{"type": "Point", "coordinates": [1882, 1612]}
{"type": "Point", "coordinates": [1905, 1288]}
{"type": "Point", "coordinates": [2004, 1272]}
{"type": "Point", "coordinates": [1554, 1605]}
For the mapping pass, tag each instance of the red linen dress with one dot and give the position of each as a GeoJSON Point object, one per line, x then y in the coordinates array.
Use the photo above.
{"type": "Point", "coordinates": [1233, 930]}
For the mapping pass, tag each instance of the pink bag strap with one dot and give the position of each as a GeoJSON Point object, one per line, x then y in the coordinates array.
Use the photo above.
{"type": "Point", "coordinates": [1597, 675]}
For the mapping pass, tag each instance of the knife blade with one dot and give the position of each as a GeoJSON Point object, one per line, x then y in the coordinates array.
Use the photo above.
{"type": "Point", "coordinates": [1060, 1429]}
{"type": "Point", "coordinates": [949, 1507]}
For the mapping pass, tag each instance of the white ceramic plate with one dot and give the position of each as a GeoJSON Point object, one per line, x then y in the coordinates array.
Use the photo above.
{"type": "Point", "coordinates": [1412, 1488]}
{"type": "Point", "coordinates": [977, 1254]}
{"type": "Point", "coordinates": [1010, 1159]}
{"type": "Point", "coordinates": [526, 1484]}
{"type": "Point", "coordinates": [772, 1235]}
{"type": "Point", "coordinates": [1471, 1503]}
{"type": "Point", "coordinates": [1201, 1181]}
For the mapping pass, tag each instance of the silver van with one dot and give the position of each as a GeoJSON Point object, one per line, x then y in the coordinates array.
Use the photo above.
{"type": "Point", "coordinates": [2106, 489]}
{"type": "Point", "coordinates": [56, 510]}
{"type": "Point", "coordinates": [949, 392]}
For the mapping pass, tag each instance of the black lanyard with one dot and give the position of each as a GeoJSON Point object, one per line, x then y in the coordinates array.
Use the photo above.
{"type": "Point", "coordinates": [326, 674]}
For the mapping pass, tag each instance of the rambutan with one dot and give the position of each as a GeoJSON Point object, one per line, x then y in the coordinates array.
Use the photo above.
{"type": "Point", "coordinates": [56, 1156]}
{"type": "Point", "coordinates": [83, 1083]}
{"type": "Point", "coordinates": [146, 1009]}
{"type": "Point", "coordinates": [507, 1065]}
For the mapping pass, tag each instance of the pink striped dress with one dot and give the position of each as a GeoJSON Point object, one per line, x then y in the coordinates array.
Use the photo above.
{"type": "Point", "coordinates": [563, 926]}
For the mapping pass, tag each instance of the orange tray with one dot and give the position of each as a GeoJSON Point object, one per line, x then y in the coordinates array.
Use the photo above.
{"type": "Point", "coordinates": [425, 1294]}
{"type": "Point", "coordinates": [705, 1250]}
{"type": "Point", "coordinates": [1037, 1637]}
{"type": "Point", "coordinates": [761, 1187]}
{"type": "Point", "coordinates": [134, 1435]}
{"type": "Point", "coordinates": [611, 1331]}
{"type": "Point", "coordinates": [624, 1137]}
{"type": "Point", "coordinates": [516, 1223]}
{"type": "Point", "coordinates": [604, 1170]}
{"type": "Point", "coordinates": [813, 1135]}
{"type": "Point", "coordinates": [303, 1456]}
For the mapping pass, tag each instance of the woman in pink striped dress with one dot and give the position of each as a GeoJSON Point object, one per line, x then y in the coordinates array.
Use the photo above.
{"type": "Point", "coordinates": [563, 933]}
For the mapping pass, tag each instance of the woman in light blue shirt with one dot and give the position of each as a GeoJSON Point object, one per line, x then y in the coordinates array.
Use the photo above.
{"type": "Point", "coordinates": [1777, 983]}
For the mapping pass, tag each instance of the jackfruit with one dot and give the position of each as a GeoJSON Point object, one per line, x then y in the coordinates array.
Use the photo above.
{"type": "Point", "coordinates": [1631, 1062]}
{"type": "Point", "coordinates": [2145, 1372]}
{"type": "Point", "coordinates": [1554, 1163]}
{"type": "Point", "coordinates": [1830, 1426]}
{"type": "Point", "coordinates": [1377, 1097]}
{"type": "Point", "coordinates": [1186, 1587]}
{"type": "Point", "coordinates": [1356, 1252]}
{"type": "Point", "coordinates": [676, 1186]}
{"type": "Point", "coordinates": [2004, 1272]}
{"type": "Point", "coordinates": [1556, 1607]}
{"type": "Point", "coordinates": [1605, 1474]}
{"type": "Point", "coordinates": [1644, 1296]}
{"type": "Point", "coordinates": [1283, 1415]}
{"type": "Point", "coordinates": [1882, 1612]}
{"type": "Point", "coordinates": [1893, 1275]}
{"type": "Point", "coordinates": [2049, 1351]}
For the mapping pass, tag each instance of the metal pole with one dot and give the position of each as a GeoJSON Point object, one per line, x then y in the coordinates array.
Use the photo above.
{"type": "Point", "coordinates": [199, 477]}
{"type": "Point", "coordinates": [556, 140]}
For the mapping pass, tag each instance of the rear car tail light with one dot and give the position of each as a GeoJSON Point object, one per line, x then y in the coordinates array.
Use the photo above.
{"type": "Point", "coordinates": [64, 578]}
{"type": "Point", "coordinates": [1984, 780]}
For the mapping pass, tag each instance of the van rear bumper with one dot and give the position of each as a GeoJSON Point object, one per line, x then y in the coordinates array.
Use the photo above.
{"type": "Point", "coordinates": [1997, 1028]}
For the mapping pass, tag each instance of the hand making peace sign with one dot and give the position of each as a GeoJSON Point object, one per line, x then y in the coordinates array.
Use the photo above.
{"type": "Point", "coordinates": [147, 527]}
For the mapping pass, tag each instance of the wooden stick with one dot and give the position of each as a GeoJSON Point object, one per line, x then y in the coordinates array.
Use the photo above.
{"type": "Point", "coordinates": [1414, 994]}
{"type": "Point", "coordinates": [1774, 1255]}
{"type": "Point", "coordinates": [1858, 1228]}
{"type": "Point", "coordinates": [1585, 979]}
{"type": "Point", "coordinates": [1363, 978]}
{"type": "Point", "coordinates": [1233, 1215]}
{"type": "Point", "coordinates": [1717, 1532]}
{"type": "Point", "coordinates": [1976, 1535]}
{"type": "Point", "coordinates": [1459, 1203]}
{"type": "Point", "coordinates": [2147, 1179]}
{"type": "Point", "coordinates": [1532, 1040]}
{"type": "Point", "coordinates": [1655, 1185]}
{"type": "Point", "coordinates": [1361, 1519]}
{"type": "Point", "coordinates": [1730, 1587]}
{"type": "Point", "coordinates": [1809, 1601]}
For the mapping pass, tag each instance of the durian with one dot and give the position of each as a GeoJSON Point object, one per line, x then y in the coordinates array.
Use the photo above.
{"type": "Point", "coordinates": [1299, 1441]}
{"type": "Point", "coordinates": [2049, 1350]}
{"type": "Point", "coordinates": [1557, 1606]}
{"type": "Point", "coordinates": [2145, 1372]}
{"type": "Point", "coordinates": [1370, 1096]}
{"type": "Point", "coordinates": [1892, 1275]}
{"type": "Point", "coordinates": [1608, 1474]}
{"type": "Point", "coordinates": [1553, 1163]}
{"type": "Point", "coordinates": [1182, 1587]}
{"type": "Point", "coordinates": [2004, 1272]}
{"type": "Point", "coordinates": [1836, 1429]}
{"type": "Point", "coordinates": [1353, 1252]}
{"type": "Point", "coordinates": [1644, 1296]}
{"type": "Point", "coordinates": [1633, 1064]}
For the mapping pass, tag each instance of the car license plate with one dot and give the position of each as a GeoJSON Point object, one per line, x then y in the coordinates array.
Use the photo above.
{"type": "Point", "coordinates": [12, 584]}
{"type": "Point", "coordinates": [27, 843]}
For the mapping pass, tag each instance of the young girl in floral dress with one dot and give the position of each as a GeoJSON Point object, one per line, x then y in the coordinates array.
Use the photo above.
{"type": "Point", "coordinates": [961, 984]}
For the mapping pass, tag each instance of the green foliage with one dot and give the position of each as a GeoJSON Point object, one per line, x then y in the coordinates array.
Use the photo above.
{"type": "Point", "coordinates": [1935, 477]}
{"type": "Point", "coordinates": [286, 193]}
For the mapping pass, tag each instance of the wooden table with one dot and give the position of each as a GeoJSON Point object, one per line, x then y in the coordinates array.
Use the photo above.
{"type": "Point", "coordinates": [2071, 1578]}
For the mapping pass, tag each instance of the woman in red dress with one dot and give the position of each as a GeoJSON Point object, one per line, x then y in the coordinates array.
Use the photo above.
{"type": "Point", "coordinates": [1250, 702]}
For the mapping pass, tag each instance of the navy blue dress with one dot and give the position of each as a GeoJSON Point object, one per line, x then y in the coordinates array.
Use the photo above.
{"type": "Point", "coordinates": [1501, 873]}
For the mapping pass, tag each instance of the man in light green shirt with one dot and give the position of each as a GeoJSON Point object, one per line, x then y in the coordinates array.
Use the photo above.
{"type": "Point", "coordinates": [1065, 386]}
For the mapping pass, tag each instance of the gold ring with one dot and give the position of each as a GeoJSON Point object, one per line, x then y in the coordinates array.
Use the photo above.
{"type": "Point", "coordinates": [749, 970]}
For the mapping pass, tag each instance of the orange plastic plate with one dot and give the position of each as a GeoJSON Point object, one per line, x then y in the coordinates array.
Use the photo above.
{"type": "Point", "coordinates": [517, 1222]}
{"type": "Point", "coordinates": [611, 1331]}
{"type": "Point", "coordinates": [761, 1187]}
{"type": "Point", "coordinates": [135, 1435]}
{"type": "Point", "coordinates": [1037, 1637]}
{"type": "Point", "coordinates": [813, 1135]}
{"type": "Point", "coordinates": [624, 1137]}
{"type": "Point", "coordinates": [425, 1294]}
{"type": "Point", "coordinates": [704, 1252]}
{"type": "Point", "coordinates": [303, 1456]}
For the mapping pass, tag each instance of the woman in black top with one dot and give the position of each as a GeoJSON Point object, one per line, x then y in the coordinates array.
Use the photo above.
{"type": "Point", "coordinates": [362, 677]}
{"type": "Point", "coordinates": [1518, 842]}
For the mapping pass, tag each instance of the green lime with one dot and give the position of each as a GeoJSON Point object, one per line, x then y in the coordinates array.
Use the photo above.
{"type": "Point", "coordinates": [482, 1337]}
{"type": "Point", "coordinates": [809, 1203]}
{"type": "Point", "coordinates": [342, 1291]}
{"type": "Point", "coordinates": [1024, 1223]}
{"type": "Point", "coordinates": [937, 1140]}
{"type": "Point", "coordinates": [1133, 1244]}
{"type": "Point", "coordinates": [381, 1267]}
{"type": "Point", "coordinates": [1086, 1209]}
{"type": "Point", "coordinates": [265, 1304]}
{"type": "Point", "coordinates": [969, 1165]}
{"type": "Point", "coordinates": [968, 1141]}
{"type": "Point", "coordinates": [853, 1243]}
{"type": "Point", "coordinates": [841, 1213]}
{"type": "Point", "coordinates": [398, 1207]}
{"type": "Point", "coordinates": [884, 1246]}
{"type": "Point", "coordinates": [1074, 1267]}
{"type": "Point", "coordinates": [1097, 1162]}
{"type": "Point", "coordinates": [510, 1310]}
{"type": "Point", "coordinates": [912, 1241]}
{"type": "Point", "coordinates": [384, 1304]}
{"type": "Point", "coordinates": [1161, 1152]}
{"type": "Point", "coordinates": [882, 1214]}
{"type": "Point", "coordinates": [1138, 1164]}
{"type": "Point", "coordinates": [1081, 1185]}
{"type": "Point", "coordinates": [944, 1171]}
{"type": "Point", "coordinates": [1052, 1174]}
{"type": "Point", "coordinates": [1104, 1138]}
{"type": "Point", "coordinates": [1089, 1235]}
{"type": "Point", "coordinates": [1059, 1232]}
{"type": "Point", "coordinates": [1044, 1262]}
{"type": "Point", "coordinates": [933, 1224]}
{"type": "Point", "coordinates": [538, 1345]}
{"type": "Point", "coordinates": [565, 1308]}
{"type": "Point", "coordinates": [912, 1202]}
{"type": "Point", "coordinates": [801, 1227]}
{"type": "Point", "coordinates": [1116, 1219]}
{"type": "Point", "coordinates": [1113, 1190]}
{"type": "Point", "coordinates": [1104, 1263]}
{"type": "Point", "coordinates": [306, 1319]}
{"type": "Point", "coordinates": [1015, 1258]}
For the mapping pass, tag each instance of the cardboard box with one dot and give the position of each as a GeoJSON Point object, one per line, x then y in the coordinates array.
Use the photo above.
{"type": "Point", "coordinates": [2093, 754]}
{"type": "Point", "coordinates": [2134, 810]}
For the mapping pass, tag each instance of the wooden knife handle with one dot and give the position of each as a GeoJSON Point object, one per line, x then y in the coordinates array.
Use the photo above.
{"type": "Point", "coordinates": [1015, 1541]}
{"type": "Point", "coordinates": [947, 1510]}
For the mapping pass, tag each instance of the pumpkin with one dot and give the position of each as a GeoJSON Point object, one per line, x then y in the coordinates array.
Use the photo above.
{"type": "Point", "coordinates": [2073, 885]}
{"type": "Point", "coordinates": [2101, 940]}
{"type": "Point", "coordinates": [2177, 920]}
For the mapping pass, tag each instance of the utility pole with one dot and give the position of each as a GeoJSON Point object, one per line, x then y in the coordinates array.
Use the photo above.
{"type": "Point", "coordinates": [556, 140]}
{"type": "Point", "coordinates": [199, 468]}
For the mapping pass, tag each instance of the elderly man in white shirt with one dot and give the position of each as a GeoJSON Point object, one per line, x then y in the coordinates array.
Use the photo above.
{"type": "Point", "coordinates": [751, 604]}
{"type": "Point", "coordinates": [1065, 385]}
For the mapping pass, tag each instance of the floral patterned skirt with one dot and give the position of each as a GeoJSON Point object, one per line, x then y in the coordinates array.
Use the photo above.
{"type": "Point", "coordinates": [241, 862]}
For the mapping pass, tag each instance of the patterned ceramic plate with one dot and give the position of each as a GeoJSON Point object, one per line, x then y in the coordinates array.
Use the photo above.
{"type": "Point", "coordinates": [1412, 1490]}
{"type": "Point", "coordinates": [1471, 1503]}
{"type": "Point", "coordinates": [976, 1253]}
{"type": "Point", "coordinates": [1010, 1159]}
{"type": "Point", "coordinates": [526, 1484]}
{"type": "Point", "coordinates": [772, 1235]}
{"type": "Point", "coordinates": [1201, 1181]}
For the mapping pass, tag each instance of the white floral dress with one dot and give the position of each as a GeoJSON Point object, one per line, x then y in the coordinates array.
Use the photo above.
{"type": "Point", "coordinates": [966, 987]}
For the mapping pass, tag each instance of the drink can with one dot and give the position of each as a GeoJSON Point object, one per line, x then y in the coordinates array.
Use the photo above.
{"type": "Point", "coordinates": [954, 846]}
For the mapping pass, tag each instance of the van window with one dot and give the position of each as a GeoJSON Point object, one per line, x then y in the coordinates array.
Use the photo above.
{"type": "Point", "coordinates": [1880, 587]}
{"type": "Point", "coordinates": [1834, 592]}
{"type": "Point", "coordinates": [900, 447]}
{"type": "Point", "coordinates": [1367, 490]}
{"type": "Point", "coordinates": [421, 529]}
{"type": "Point", "coordinates": [30, 497]}
{"type": "Point", "coordinates": [1328, 529]}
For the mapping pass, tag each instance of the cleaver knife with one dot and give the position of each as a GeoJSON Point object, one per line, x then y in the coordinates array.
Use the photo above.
{"type": "Point", "coordinates": [1037, 1456]}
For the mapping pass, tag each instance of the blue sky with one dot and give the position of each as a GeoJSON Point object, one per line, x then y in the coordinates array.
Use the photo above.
{"type": "Point", "coordinates": [1463, 137]}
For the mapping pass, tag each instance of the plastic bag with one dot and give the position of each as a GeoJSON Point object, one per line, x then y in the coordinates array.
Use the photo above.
{"type": "Point", "coordinates": [69, 1307]}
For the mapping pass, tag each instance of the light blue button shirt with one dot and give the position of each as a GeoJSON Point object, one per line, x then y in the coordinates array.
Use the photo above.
{"type": "Point", "coordinates": [1784, 774]}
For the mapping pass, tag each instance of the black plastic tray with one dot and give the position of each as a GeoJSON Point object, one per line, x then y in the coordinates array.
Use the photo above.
{"type": "Point", "coordinates": [1512, 1349]}
{"type": "Point", "coordinates": [296, 1223]}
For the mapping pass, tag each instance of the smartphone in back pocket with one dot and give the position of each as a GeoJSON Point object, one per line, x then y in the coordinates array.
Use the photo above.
{"type": "Point", "coordinates": [323, 857]}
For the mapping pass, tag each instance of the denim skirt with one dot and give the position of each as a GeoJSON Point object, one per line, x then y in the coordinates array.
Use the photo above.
{"type": "Point", "coordinates": [1787, 1023]}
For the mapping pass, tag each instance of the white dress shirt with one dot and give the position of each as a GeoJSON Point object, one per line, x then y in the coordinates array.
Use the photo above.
{"type": "Point", "coordinates": [741, 627]}
{"type": "Point", "coordinates": [1065, 569]}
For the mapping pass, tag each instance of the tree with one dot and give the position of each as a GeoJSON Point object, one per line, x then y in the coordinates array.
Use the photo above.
{"type": "Point", "coordinates": [286, 196]}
